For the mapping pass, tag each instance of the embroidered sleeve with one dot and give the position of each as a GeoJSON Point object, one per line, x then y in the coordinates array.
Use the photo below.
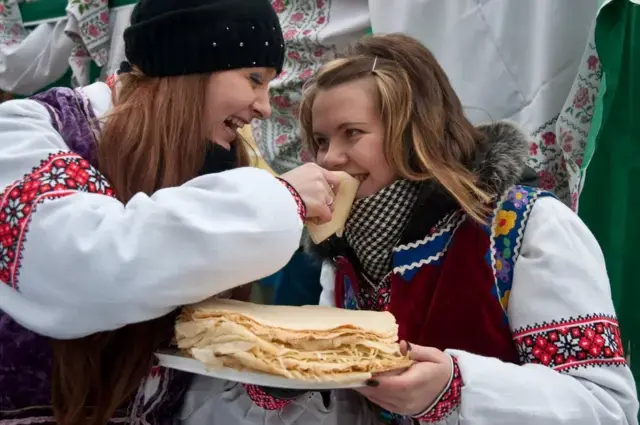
{"type": "Point", "coordinates": [572, 366]}
{"type": "Point", "coordinates": [448, 402]}
{"type": "Point", "coordinates": [302, 208]}
{"type": "Point", "coordinates": [70, 251]}
{"type": "Point", "coordinates": [58, 176]}
{"type": "Point", "coordinates": [268, 401]}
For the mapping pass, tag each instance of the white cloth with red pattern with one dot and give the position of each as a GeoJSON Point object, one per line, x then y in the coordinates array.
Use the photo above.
{"type": "Point", "coordinates": [75, 261]}
{"type": "Point", "coordinates": [560, 304]}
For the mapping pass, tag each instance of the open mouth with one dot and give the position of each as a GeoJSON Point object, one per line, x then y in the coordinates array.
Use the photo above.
{"type": "Point", "coordinates": [232, 124]}
{"type": "Point", "coordinates": [360, 177]}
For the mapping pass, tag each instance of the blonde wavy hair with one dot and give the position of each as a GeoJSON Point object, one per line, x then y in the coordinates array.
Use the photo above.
{"type": "Point", "coordinates": [427, 135]}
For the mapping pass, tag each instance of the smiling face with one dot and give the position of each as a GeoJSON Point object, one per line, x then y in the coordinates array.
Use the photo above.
{"type": "Point", "coordinates": [233, 99]}
{"type": "Point", "coordinates": [349, 134]}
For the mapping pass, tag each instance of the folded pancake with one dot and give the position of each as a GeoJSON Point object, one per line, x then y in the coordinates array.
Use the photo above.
{"type": "Point", "coordinates": [342, 207]}
{"type": "Point", "coordinates": [307, 343]}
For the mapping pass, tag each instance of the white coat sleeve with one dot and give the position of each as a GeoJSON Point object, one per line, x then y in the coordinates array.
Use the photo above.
{"type": "Point", "coordinates": [565, 329]}
{"type": "Point", "coordinates": [75, 261]}
{"type": "Point", "coordinates": [328, 284]}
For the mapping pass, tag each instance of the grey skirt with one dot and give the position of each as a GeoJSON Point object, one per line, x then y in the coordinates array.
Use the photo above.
{"type": "Point", "coordinates": [212, 401]}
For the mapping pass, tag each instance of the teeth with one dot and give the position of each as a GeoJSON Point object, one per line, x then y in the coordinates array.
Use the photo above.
{"type": "Point", "coordinates": [235, 121]}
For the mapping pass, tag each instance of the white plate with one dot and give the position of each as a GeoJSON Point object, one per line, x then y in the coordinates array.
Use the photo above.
{"type": "Point", "coordinates": [186, 364]}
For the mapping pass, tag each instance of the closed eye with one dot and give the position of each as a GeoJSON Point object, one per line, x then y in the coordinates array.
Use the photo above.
{"type": "Point", "coordinates": [256, 79]}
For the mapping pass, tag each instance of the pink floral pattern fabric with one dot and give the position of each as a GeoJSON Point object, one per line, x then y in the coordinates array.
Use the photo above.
{"type": "Point", "coordinates": [88, 26]}
{"type": "Point", "coordinates": [278, 138]}
{"type": "Point", "coordinates": [558, 147]}
{"type": "Point", "coordinates": [556, 150]}
{"type": "Point", "coordinates": [12, 30]}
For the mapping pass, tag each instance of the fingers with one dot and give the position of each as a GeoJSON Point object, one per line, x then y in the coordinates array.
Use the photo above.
{"type": "Point", "coordinates": [420, 353]}
{"type": "Point", "coordinates": [412, 378]}
{"type": "Point", "coordinates": [332, 179]}
{"type": "Point", "coordinates": [405, 393]}
{"type": "Point", "coordinates": [324, 214]}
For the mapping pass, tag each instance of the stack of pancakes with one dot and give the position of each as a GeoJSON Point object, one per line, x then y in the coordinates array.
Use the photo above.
{"type": "Point", "coordinates": [309, 343]}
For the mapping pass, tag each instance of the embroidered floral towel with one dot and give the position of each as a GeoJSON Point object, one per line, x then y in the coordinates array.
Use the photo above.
{"type": "Point", "coordinates": [88, 26]}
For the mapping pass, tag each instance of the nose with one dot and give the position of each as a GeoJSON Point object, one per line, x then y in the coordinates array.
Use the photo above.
{"type": "Point", "coordinates": [261, 106]}
{"type": "Point", "coordinates": [335, 157]}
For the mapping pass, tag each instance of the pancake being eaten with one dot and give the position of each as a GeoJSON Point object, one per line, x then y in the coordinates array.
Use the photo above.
{"type": "Point", "coordinates": [310, 343]}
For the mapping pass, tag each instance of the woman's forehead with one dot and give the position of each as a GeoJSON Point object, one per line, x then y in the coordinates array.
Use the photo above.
{"type": "Point", "coordinates": [353, 101]}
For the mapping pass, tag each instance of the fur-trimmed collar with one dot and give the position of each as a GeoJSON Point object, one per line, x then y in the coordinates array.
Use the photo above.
{"type": "Point", "coordinates": [499, 165]}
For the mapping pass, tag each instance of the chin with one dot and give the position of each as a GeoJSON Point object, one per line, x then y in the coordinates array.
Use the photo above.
{"type": "Point", "coordinates": [363, 192]}
{"type": "Point", "coordinates": [224, 144]}
{"type": "Point", "coordinates": [367, 188]}
{"type": "Point", "coordinates": [224, 140]}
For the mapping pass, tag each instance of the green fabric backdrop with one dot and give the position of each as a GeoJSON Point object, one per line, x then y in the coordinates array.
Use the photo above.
{"type": "Point", "coordinates": [610, 201]}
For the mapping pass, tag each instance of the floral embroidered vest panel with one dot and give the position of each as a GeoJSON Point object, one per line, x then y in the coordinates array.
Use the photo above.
{"type": "Point", "coordinates": [450, 290]}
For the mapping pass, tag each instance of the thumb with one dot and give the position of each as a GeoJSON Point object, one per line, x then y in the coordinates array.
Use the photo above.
{"type": "Point", "coordinates": [420, 353]}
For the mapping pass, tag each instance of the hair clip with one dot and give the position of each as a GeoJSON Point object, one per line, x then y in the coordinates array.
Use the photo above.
{"type": "Point", "coordinates": [125, 66]}
{"type": "Point", "coordinates": [373, 68]}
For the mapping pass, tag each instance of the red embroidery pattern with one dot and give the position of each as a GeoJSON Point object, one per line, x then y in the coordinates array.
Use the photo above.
{"type": "Point", "coordinates": [450, 399]}
{"type": "Point", "coordinates": [264, 400]}
{"type": "Point", "coordinates": [111, 81]}
{"type": "Point", "coordinates": [302, 208]}
{"type": "Point", "coordinates": [60, 175]}
{"type": "Point", "coordinates": [376, 298]}
{"type": "Point", "coordinates": [592, 340]}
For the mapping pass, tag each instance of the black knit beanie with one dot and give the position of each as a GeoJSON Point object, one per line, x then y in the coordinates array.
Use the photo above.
{"type": "Point", "coordinates": [181, 37]}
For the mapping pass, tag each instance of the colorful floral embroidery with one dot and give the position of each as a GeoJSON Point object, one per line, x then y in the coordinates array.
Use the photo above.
{"type": "Point", "coordinates": [507, 229]}
{"type": "Point", "coordinates": [505, 222]}
{"type": "Point", "coordinates": [60, 175]}
{"type": "Point", "coordinates": [357, 295]}
{"type": "Point", "coordinates": [450, 399]}
{"type": "Point", "coordinates": [572, 343]}
{"type": "Point", "coordinates": [376, 298]}
{"type": "Point", "coordinates": [503, 268]}
{"type": "Point", "coordinates": [519, 198]}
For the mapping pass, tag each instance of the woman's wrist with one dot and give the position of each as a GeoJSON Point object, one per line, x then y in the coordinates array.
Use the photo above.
{"type": "Point", "coordinates": [302, 208]}
{"type": "Point", "coordinates": [447, 400]}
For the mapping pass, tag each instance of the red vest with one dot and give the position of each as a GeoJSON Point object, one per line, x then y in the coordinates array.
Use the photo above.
{"type": "Point", "coordinates": [450, 290]}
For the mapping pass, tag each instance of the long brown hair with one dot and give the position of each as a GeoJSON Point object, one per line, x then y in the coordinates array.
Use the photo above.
{"type": "Point", "coordinates": [427, 135]}
{"type": "Point", "coordinates": [152, 138]}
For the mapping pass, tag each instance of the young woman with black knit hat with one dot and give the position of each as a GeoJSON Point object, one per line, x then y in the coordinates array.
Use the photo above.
{"type": "Point", "coordinates": [118, 206]}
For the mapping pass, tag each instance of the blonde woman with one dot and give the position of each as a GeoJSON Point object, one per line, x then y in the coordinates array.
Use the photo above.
{"type": "Point", "coordinates": [500, 291]}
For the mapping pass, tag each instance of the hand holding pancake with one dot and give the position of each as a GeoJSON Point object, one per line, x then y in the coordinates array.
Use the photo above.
{"type": "Point", "coordinates": [316, 186]}
{"type": "Point", "coordinates": [415, 389]}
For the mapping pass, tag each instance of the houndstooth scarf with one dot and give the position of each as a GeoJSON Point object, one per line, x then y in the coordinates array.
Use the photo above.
{"type": "Point", "coordinates": [376, 223]}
